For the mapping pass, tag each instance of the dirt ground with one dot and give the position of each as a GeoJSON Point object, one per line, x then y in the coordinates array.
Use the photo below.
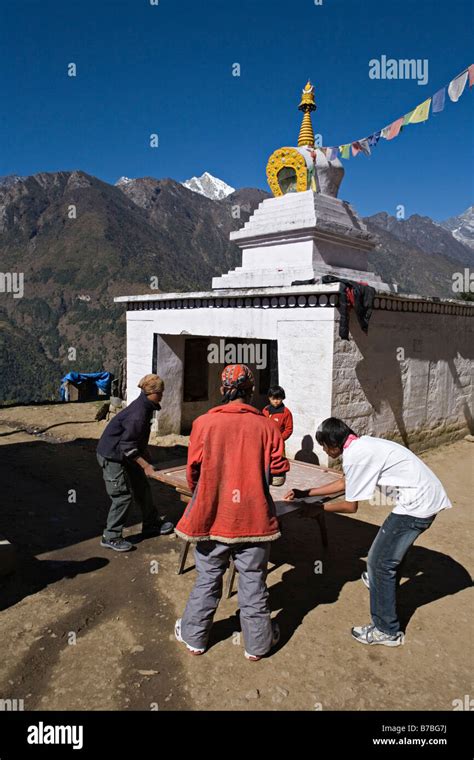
{"type": "Point", "coordinates": [85, 628]}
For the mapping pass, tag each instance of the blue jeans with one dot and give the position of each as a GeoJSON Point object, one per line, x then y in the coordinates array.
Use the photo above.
{"type": "Point", "coordinates": [391, 543]}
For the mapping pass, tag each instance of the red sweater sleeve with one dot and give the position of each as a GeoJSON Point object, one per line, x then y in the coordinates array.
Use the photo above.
{"type": "Point", "coordinates": [279, 464]}
{"type": "Point", "coordinates": [193, 468]}
{"type": "Point", "coordinates": [288, 425]}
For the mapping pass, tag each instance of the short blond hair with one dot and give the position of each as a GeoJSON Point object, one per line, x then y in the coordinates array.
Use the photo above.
{"type": "Point", "coordinates": [151, 384]}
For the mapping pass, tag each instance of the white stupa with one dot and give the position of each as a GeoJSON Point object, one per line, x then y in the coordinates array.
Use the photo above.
{"type": "Point", "coordinates": [305, 231]}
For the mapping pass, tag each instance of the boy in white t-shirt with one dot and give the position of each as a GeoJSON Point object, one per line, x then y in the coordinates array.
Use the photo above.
{"type": "Point", "coordinates": [368, 462]}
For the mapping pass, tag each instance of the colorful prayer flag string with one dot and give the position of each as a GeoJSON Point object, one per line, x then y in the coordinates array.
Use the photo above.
{"type": "Point", "coordinates": [416, 116]}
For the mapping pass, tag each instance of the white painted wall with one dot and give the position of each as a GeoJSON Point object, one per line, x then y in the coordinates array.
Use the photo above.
{"type": "Point", "coordinates": [287, 253]}
{"type": "Point", "coordinates": [313, 327]}
{"type": "Point", "coordinates": [305, 370]}
{"type": "Point", "coordinates": [425, 398]}
{"type": "Point", "coordinates": [139, 351]}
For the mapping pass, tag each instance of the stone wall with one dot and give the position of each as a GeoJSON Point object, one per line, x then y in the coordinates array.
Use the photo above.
{"type": "Point", "coordinates": [410, 378]}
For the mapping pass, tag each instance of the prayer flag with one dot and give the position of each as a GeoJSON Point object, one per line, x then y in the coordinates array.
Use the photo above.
{"type": "Point", "coordinates": [438, 100]}
{"type": "Point", "coordinates": [393, 129]}
{"type": "Point", "coordinates": [364, 146]}
{"type": "Point", "coordinates": [406, 118]}
{"type": "Point", "coordinates": [345, 150]}
{"type": "Point", "coordinates": [421, 112]}
{"type": "Point", "coordinates": [471, 74]}
{"type": "Point", "coordinates": [373, 139]}
{"type": "Point", "coordinates": [456, 87]}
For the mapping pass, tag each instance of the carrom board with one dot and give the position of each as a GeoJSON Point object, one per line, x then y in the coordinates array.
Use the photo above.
{"type": "Point", "coordinates": [301, 475]}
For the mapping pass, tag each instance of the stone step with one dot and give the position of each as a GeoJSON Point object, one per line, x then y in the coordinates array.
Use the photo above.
{"type": "Point", "coordinates": [307, 218]}
{"type": "Point", "coordinates": [301, 199]}
{"type": "Point", "coordinates": [272, 213]}
{"type": "Point", "coordinates": [337, 213]}
{"type": "Point", "coordinates": [297, 224]}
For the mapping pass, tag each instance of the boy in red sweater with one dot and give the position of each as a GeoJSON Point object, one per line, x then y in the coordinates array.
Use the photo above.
{"type": "Point", "coordinates": [233, 454]}
{"type": "Point", "coordinates": [278, 412]}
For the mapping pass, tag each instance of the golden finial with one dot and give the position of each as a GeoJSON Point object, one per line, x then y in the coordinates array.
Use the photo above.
{"type": "Point", "coordinates": [307, 104]}
{"type": "Point", "coordinates": [307, 98]}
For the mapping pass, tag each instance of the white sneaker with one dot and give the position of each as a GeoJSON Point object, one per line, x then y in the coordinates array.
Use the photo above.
{"type": "Point", "coordinates": [369, 634]}
{"type": "Point", "coordinates": [275, 640]}
{"type": "Point", "coordinates": [177, 633]}
{"type": "Point", "coordinates": [365, 578]}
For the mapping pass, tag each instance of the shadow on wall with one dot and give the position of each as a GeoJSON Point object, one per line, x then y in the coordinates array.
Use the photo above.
{"type": "Point", "coordinates": [306, 453]}
{"type": "Point", "coordinates": [381, 378]}
{"type": "Point", "coordinates": [466, 411]}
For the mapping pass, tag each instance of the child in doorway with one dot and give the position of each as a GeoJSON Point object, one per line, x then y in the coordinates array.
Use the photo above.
{"type": "Point", "coordinates": [278, 412]}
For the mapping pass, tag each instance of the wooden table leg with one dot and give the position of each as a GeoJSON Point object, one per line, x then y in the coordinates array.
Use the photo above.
{"type": "Point", "coordinates": [230, 579]}
{"type": "Point", "coordinates": [321, 519]}
{"type": "Point", "coordinates": [182, 557]}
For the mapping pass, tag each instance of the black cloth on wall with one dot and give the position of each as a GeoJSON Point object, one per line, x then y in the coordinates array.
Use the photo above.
{"type": "Point", "coordinates": [363, 297]}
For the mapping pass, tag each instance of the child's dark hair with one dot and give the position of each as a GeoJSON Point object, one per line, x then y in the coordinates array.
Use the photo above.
{"type": "Point", "coordinates": [333, 432]}
{"type": "Point", "coordinates": [277, 392]}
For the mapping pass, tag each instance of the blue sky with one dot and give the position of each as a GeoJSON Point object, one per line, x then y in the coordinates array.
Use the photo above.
{"type": "Point", "coordinates": [167, 69]}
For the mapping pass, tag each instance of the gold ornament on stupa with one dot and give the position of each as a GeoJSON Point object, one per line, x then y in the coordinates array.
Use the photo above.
{"type": "Point", "coordinates": [307, 104]}
{"type": "Point", "coordinates": [292, 169]}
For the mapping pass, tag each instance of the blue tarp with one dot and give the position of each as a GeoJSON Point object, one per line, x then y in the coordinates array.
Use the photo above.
{"type": "Point", "coordinates": [101, 379]}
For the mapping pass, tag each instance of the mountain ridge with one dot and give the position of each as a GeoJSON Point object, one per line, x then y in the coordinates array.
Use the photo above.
{"type": "Point", "coordinates": [81, 241]}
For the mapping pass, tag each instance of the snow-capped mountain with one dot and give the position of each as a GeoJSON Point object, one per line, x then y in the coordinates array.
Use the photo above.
{"type": "Point", "coordinates": [123, 181]}
{"type": "Point", "coordinates": [462, 227]}
{"type": "Point", "coordinates": [210, 186]}
{"type": "Point", "coordinates": [8, 180]}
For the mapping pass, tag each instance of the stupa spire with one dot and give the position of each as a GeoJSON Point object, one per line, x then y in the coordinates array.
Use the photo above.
{"type": "Point", "coordinates": [307, 104]}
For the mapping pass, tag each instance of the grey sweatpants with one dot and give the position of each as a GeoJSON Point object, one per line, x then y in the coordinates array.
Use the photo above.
{"type": "Point", "coordinates": [212, 559]}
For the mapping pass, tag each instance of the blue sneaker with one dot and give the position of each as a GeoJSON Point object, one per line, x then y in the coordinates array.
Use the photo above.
{"type": "Point", "coordinates": [160, 529]}
{"type": "Point", "coordinates": [117, 544]}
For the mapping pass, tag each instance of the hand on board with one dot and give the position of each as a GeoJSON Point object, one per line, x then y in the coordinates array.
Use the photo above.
{"type": "Point", "coordinates": [295, 493]}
